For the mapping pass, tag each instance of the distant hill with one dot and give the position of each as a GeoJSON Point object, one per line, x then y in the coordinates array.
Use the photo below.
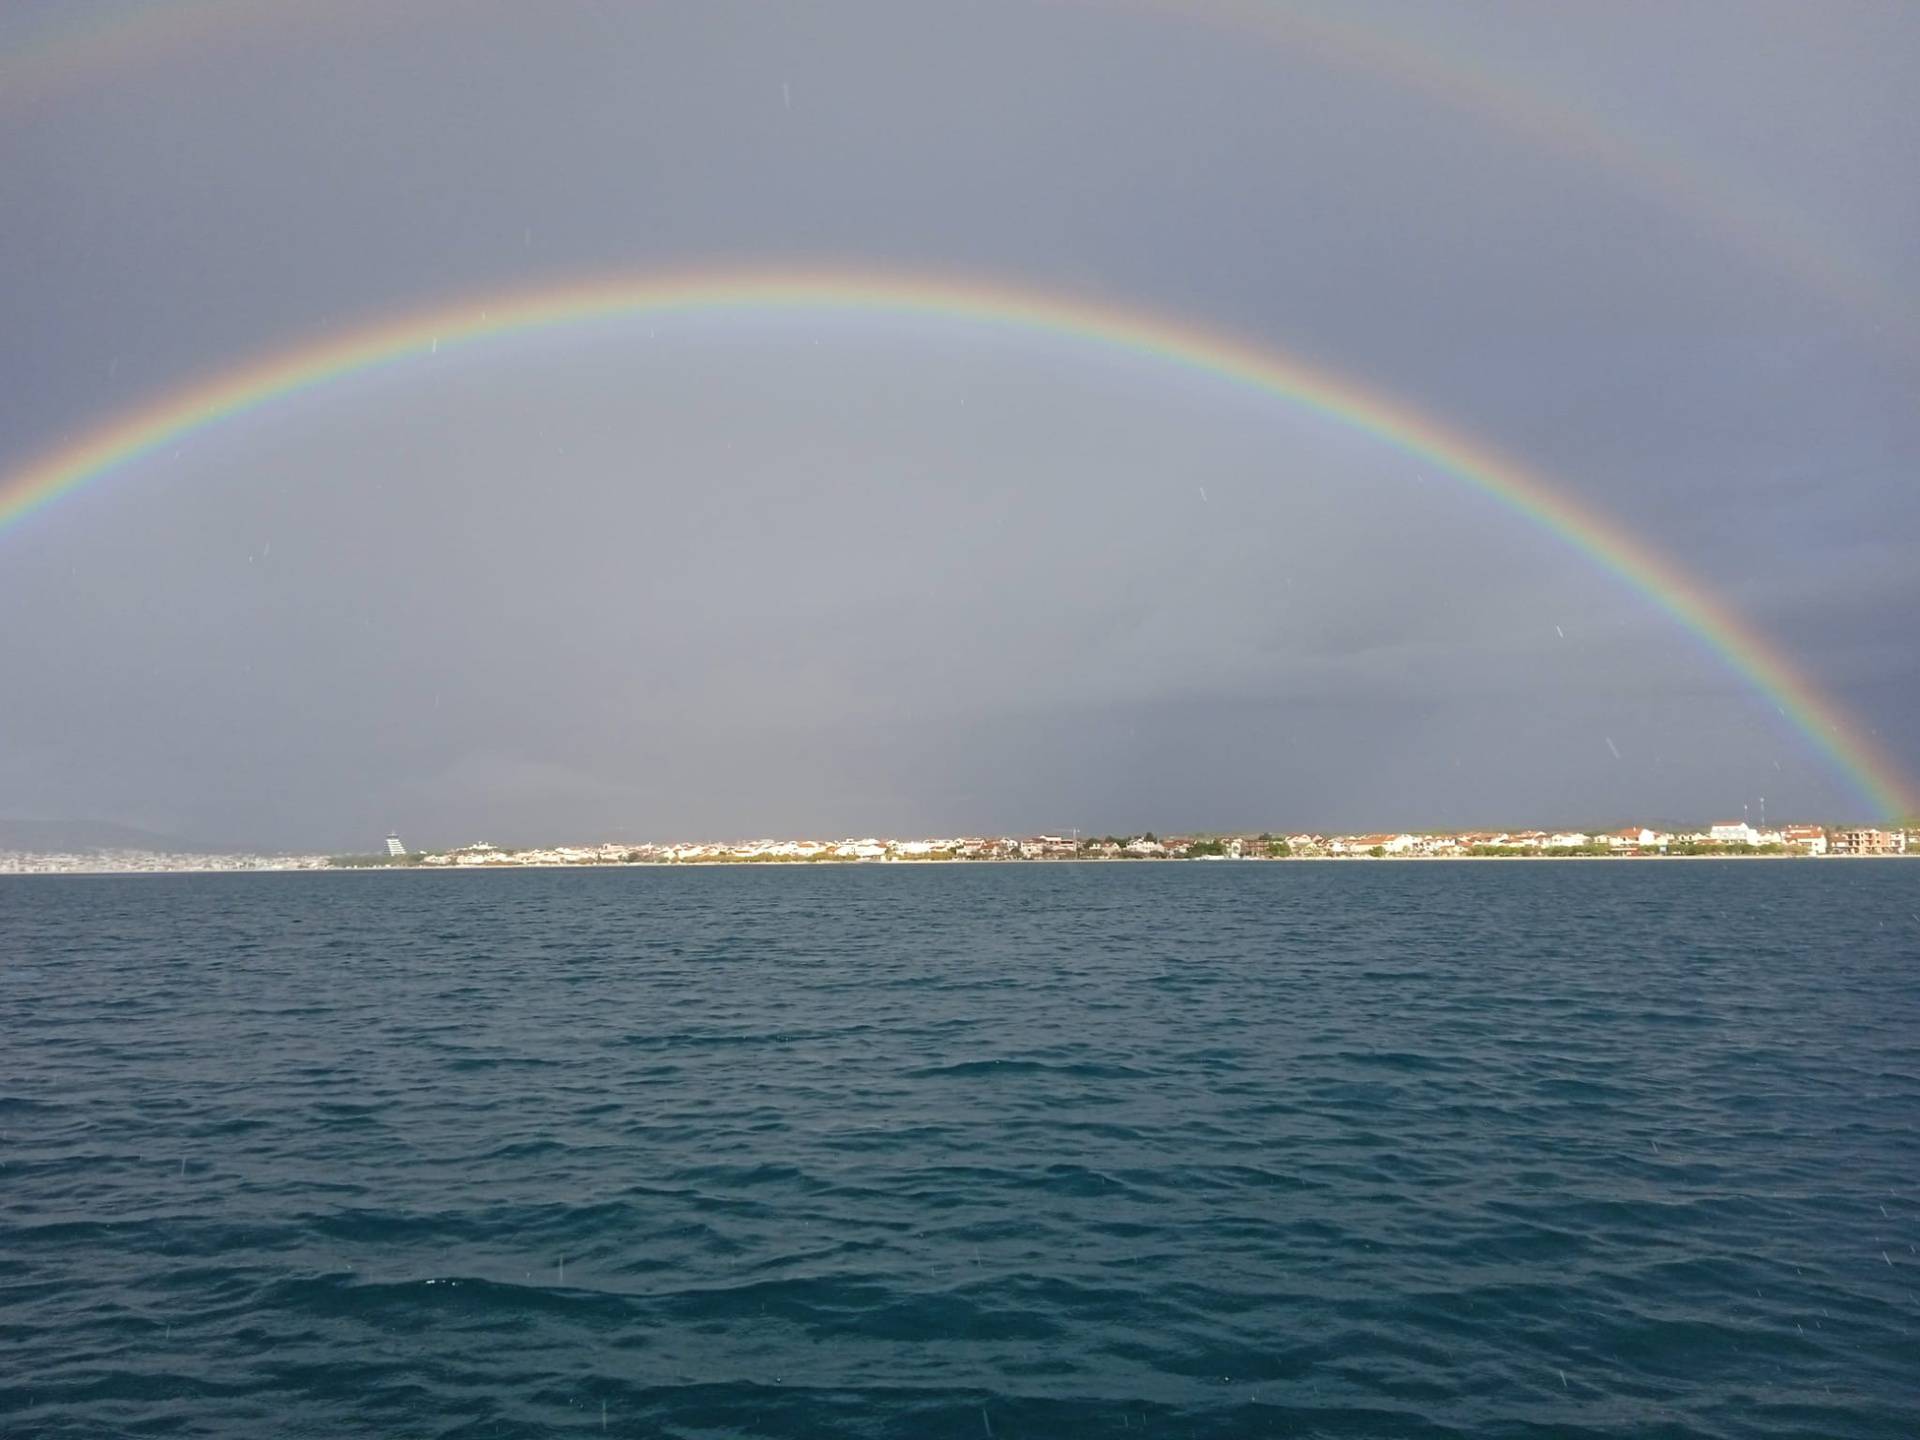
{"type": "Point", "coordinates": [74, 836]}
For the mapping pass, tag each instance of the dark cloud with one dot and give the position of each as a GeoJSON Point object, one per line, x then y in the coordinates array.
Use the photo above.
{"type": "Point", "coordinates": [782, 574]}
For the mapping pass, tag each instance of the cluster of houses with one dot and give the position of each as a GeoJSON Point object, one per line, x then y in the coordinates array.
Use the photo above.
{"type": "Point", "coordinates": [144, 862]}
{"type": "Point", "coordinates": [1727, 837]}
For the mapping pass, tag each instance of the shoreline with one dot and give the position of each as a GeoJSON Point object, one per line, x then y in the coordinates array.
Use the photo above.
{"type": "Point", "coordinates": [838, 864]}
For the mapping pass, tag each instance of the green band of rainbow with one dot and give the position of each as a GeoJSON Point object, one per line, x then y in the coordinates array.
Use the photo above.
{"type": "Point", "coordinates": [409, 337]}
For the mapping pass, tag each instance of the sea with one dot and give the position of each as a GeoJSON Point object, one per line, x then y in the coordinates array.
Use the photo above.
{"type": "Point", "coordinates": [1534, 1148]}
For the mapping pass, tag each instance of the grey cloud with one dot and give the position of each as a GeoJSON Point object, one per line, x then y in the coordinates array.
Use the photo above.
{"type": "Point", "coordinates": [750, 574]}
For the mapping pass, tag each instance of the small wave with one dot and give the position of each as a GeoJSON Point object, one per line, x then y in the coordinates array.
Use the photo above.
{"type": "Point", "coordinates": [1010, 1067]}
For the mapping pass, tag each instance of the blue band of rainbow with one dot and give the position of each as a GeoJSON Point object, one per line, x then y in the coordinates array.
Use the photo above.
{"type": "Point", "coordinates": [399, 340]}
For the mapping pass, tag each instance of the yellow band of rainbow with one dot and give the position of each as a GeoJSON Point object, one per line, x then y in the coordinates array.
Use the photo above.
{"type": "Point", "coordinates": [397, 340]}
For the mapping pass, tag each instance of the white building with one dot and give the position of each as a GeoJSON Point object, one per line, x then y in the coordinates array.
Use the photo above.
{"type": "Point", "coordinates": [1632, 838]}
{"type": "Point", "coordinates": [1364, 844]}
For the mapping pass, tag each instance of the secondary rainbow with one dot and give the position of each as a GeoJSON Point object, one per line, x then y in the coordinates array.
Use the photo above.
{"type": "Point", "coordinates": [62, 52]}
{"type": "Point", "coordinates": [412, 338]}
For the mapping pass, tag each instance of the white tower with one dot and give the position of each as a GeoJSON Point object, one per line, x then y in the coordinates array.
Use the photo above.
{"type": "Point", "coordinates": [394, 847]}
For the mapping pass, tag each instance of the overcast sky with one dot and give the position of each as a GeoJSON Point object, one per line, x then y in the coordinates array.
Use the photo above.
{"type": "Point", "coordinates": [826, 573]}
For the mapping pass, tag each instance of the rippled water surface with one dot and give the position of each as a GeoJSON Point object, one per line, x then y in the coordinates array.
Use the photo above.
{"type": "Point", "coordinates": [1300, 1149]}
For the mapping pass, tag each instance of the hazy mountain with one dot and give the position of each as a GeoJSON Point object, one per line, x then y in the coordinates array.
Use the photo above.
{"type": "Point", "coordinates": [85, 835]}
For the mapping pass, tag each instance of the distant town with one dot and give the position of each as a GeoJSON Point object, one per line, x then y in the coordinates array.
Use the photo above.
{"type": "Point", "coordinates": [1722, 838]}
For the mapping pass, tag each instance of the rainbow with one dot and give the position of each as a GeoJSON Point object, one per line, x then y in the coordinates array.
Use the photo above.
{"type": "Point", "coordinates": [1737, 214]}
{"type": "Point", "coordinates": [394, 342]}
{"type": "Point", "coordinates": [63, 53]}
{"type": "Point", "coordinates": [62, 49]}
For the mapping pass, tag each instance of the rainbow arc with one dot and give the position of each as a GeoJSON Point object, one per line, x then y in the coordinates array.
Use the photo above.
{"type": "Point", "coordinates": [396, 341]}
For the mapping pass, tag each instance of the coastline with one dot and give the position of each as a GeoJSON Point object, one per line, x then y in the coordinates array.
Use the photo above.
{"type": "Point", "coordinates": [90, 872]}
{"type": "Point", "coordinates": [1720, 839]}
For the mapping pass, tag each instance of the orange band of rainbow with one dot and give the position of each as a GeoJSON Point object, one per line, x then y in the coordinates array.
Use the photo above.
{"type": "Point", "coordinates": [409, 338]}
